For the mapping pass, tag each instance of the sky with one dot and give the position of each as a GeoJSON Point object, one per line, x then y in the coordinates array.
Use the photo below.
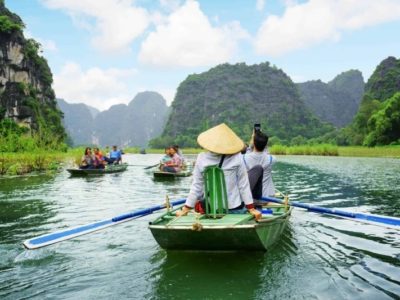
{"type": "Point", "coordinates": [104, 52]}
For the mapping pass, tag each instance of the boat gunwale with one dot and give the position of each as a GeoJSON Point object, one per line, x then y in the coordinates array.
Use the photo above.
{"type": "Point", "coordinates": [258, 223]}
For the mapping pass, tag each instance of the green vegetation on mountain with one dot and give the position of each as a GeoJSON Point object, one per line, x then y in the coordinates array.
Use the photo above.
{"type": "Point", "coordinates": [29, 117]}
{"type": "Point", "coordinates": [239, 95]}
{"type": "Point", "coordinates": [377, 121]}
{"type": "Point", "coordinates": [337, 101]}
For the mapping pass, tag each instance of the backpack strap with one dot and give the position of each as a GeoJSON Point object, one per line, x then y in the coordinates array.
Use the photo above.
{"type": "Point", "coordinates": [221, 161]}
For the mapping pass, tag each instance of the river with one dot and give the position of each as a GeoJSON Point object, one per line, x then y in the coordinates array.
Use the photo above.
{"type": "Point", "coordinates": [319, 257]}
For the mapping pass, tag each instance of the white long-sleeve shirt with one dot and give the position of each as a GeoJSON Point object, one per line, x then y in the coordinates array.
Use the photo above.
{"type": "Point", "coordinates": [266, 160]}
{"type": "Point", "coordinates": [236, 179]}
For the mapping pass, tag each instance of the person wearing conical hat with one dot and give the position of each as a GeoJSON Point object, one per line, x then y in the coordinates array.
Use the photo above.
{"type": "Point", "coordinates": [224, 146]}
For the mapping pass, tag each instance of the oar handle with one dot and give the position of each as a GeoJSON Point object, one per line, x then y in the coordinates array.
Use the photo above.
{"type": "Point", "coordinates": [66, 234]}
{"type": "Point", "coordinates": [145, 211]}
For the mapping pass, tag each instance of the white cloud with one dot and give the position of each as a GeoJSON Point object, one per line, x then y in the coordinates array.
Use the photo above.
{"type": "Point", "coordinates": [97, 87]}
{"type": "Point", "coordinates": [115, 23]}
{"type": "Point", "coordinates": [170, 5]}
{"type": "Point", "coordinates": [306, 24]}
{"type": "Point", "coordinates": [186, 38]}
{"type": "Point", "coordinates": [260, 5]}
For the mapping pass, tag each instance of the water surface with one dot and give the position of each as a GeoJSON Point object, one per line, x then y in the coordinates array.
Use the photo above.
{"type": "Point", "coordinates": [319, 257]}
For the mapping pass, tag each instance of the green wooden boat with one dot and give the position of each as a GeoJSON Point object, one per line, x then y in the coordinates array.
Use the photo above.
{"type": "Point", "coordinates": [162, 174]}
{"type": "Point", "coordinates": [108, 169]}
{"type": "Point", "coordinates": [229, 232]}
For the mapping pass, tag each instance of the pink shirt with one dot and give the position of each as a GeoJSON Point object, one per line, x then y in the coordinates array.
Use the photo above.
{"type": "Point", "coordinates": [176, 161]}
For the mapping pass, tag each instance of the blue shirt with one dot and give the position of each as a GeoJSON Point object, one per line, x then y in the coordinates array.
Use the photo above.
{"type": "Point", "coordinates": [115, 154]}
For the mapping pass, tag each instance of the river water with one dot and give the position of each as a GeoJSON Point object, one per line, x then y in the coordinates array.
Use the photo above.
{"type": "Point", "coordinates": [319, 257]}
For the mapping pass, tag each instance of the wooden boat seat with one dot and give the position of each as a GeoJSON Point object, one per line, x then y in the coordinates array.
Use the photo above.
{"type": "Point", "coordinates": [226, 220]}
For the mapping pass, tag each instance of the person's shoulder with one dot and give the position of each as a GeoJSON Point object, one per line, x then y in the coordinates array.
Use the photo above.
{"type": "Point", "coordinates": [237, 158]}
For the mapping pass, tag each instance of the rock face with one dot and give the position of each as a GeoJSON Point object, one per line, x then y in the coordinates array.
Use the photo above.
{"type": "Point", "coordinates": [124, 125]}
{"type": "Point", "coordinates": [78, 122]}
{"type": "Point", "coordinates": [337, 101]}
{"type": "Point", "coordinates": [240, 96]}
{"type": "Point", "coordinates": [385, 81]}
{"type": "Point", "coordinates": [26, 95]}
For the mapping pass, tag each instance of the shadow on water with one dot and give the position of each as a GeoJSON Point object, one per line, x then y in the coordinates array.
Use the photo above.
{"type": "Point", "coordinates": [219, 275]}
{"type": "Point", "coordinates": [20, 211]}
{"type": "Point", "coordinates": [20, 183]}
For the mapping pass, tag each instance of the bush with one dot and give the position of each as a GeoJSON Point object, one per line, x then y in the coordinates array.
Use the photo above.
{"type": "Point", "coordinates": [8, 26]}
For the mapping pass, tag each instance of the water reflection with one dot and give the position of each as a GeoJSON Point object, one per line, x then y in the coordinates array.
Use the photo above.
{"type": "Point", "coordinates": [195, 275]}
{"type": "Point", "coordinates": [319, 257]}
{"type": "Point", "coordinates": [219, 275]}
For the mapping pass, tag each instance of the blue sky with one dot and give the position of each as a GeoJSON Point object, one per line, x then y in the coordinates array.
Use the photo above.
{"type": "Point", "coordinates": [103, 52]}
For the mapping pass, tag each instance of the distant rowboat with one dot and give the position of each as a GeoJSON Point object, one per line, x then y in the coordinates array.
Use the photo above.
{"type": "Point", "coordinates": [114, 168]}
{"type": "Point", "coordinates": [162, 174]}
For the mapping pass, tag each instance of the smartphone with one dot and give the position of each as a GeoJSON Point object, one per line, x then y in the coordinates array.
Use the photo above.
{"type": "Point", "coordinates": [257, 127]}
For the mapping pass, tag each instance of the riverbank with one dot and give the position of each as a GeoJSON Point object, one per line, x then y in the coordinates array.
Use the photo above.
{"type": "Point", "coordinates": [26, 162]}
{"type": "Point", "coordinates": [320, 150]}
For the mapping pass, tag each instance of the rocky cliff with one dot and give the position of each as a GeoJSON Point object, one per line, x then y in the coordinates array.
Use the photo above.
{"type": "Point", "coordinates": [240, 95]}
{"type": "Point", "coordinates": [337, 101]}
{"type": "Point", "coordinates": [125, 125]}
{"type": "Point", "coordinates": [26, 95]}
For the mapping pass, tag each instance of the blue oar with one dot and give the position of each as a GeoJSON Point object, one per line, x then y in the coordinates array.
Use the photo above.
{"type": "Point", "coordinates": [59, 236]}
{"type": "Point", "coordinates": [341, 213]}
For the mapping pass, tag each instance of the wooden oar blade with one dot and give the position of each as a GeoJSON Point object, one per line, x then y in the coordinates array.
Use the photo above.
{"type": "Point", "coordinates": [70, 233]}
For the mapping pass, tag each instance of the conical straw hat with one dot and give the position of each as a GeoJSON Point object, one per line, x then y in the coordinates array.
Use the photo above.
{"type": "Point", "coordinates": [220, 139]}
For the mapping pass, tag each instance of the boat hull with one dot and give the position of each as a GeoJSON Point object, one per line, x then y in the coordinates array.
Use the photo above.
{"type": "Point", "coordinates": [161, 174]}
{"type": "Point", "coordinates": [248, 235]}
{"type": "Point", "coordinates": [109, 169]}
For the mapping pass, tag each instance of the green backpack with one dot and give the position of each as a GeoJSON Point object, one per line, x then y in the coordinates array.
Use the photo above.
{"type": "Point", "coordinates": [216, 198]}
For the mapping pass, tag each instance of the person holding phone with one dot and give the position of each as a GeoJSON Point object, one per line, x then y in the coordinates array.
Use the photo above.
{"type": "Point", "coordinates": [259, 163]}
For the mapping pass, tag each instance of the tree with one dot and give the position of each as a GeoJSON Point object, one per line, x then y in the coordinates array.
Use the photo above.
{"type": "Point", "coordinates": [384, 125]}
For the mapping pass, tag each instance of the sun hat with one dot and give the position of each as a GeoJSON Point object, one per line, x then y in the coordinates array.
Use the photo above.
{"type": "Point", "coordinates": [221, 140]}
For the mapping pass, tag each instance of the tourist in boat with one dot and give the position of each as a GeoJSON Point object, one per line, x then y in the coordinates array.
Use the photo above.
{"type": "Point", "coordinates": [259, 163]}
{"type": "Point", "coordinates": [167, 157]}
{"type": "Point", "coordinates": [179, 152]}
{"type": "Point", "coordinates": [101, 160]}
{"type": "Point", "coordinates": [88, 160]}
{"type": "Point", "coordinates": [223, 147]}
{"type": "Point", "coordinates": [175, 164]}
{"type": "Point", "coordinates": [115, 155]}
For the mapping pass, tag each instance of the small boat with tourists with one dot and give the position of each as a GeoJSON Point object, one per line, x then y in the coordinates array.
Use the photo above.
{"type": "Point", "coordinates": [223, 232]}
{"type": "Point", "coordinates": [110, 168]}
{"type": "Point", "coordinates": [162, 174]}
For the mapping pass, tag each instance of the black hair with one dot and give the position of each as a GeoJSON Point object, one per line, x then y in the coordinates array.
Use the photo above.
{"type": "Point", "coordinates": [86, 150]}
{"type": "Point", "coordinates": [260, 140]}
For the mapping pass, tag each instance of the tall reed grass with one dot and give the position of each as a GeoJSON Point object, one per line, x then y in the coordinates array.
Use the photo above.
{"type": "Point", "coordinates": [26, 162]}
{"type": "Point", "coordinates": [321, 149]}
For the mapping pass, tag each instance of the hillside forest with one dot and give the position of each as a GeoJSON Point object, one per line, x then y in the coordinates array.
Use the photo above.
{"type": "Point", "coordinates": [343, 111]}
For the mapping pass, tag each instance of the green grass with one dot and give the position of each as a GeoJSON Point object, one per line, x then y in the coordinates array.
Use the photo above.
{"type": "Point", "coordinates": [323, 149]}
{"type": "Point", "coordinates": [379, 151]}
{"type": "Point", "coordinates": [26, 162]}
